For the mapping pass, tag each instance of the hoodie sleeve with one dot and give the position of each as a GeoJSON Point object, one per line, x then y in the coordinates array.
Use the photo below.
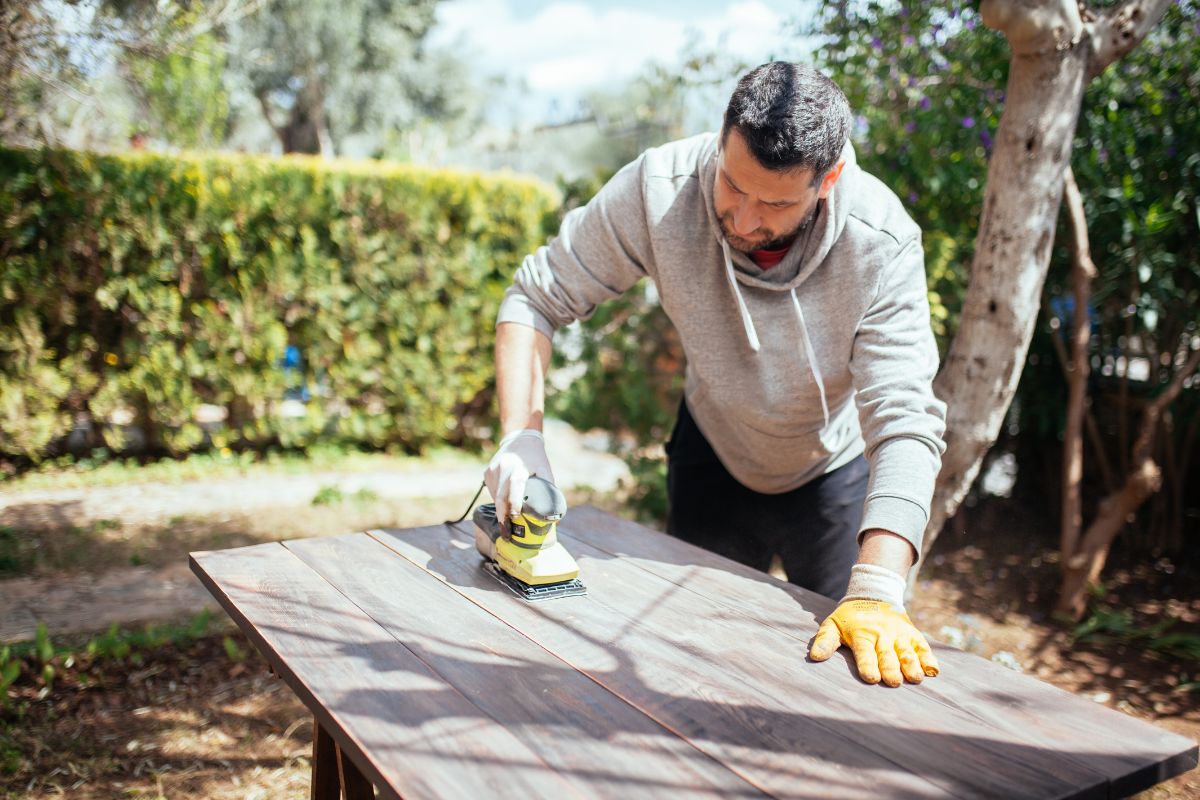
{"type": "Point", "coordinates": [600, 251]}
{"type": "Point", "coordinates": [893, 363]}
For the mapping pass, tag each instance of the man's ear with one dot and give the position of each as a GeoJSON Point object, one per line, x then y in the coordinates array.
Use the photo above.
{"type": "Point", "coordinates": [830, 179]}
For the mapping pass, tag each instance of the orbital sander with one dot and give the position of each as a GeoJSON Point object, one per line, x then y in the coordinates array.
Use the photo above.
{"type": "Point", "coordinates": [528, 559]}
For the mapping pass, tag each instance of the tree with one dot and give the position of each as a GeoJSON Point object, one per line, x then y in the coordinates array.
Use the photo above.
{"type": "Point", "coordinates": [324, 69]}
{"type": "Point", "coordinates": [183, 92]}
{"type": "Point", "coordinates": [927, 83]}
{"type": "Point", "coordinates": [1056, 51]}
{"type": "Point", "coordinates": [52, 57]}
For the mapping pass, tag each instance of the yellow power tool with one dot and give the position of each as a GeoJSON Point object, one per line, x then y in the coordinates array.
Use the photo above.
{"type": "Point", "coordinates": [529, 559]}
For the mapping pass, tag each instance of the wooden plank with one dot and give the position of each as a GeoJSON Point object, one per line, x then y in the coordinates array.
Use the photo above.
{"type": "Point", "coordinates": [409, 732]}
{"type": "Point", "coordinates": [598, 742]}
{"type": "Point", "coordinates": [741, 690]}
{"type": "Point", "coordinates": [1133, 755]}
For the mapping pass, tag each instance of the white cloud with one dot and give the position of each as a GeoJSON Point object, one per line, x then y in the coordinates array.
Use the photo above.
{"type": "Point", "coordinates": [567, 47]}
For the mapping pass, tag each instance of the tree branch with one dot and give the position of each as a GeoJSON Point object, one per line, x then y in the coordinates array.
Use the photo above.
{"type": "Point", "coordinates": [1083, 567]}
{"type": "Point", "coordinates": [1118, 30]}
{"type": "Point", "coordinates": [1141, 447]}
{"type": "Point", "coordinates": [1083, 271]}
{"type": "Point", "coordinates": [261, 94]}
{"type": "Point", "coordinates": [1033, 27]}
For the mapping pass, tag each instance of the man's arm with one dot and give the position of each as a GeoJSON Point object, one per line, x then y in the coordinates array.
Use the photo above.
{"type": "Point", "coordinates": [894, 362]}
{"type": "Point", "coordinates": [522, 360]}
{"type": "Point", "coordinates": [600, 251]}
{"type": "Point", "coordinates": [886, 549]}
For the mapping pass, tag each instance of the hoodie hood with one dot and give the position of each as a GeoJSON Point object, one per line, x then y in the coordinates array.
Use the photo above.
{"type": "Point", "coordinates": [804, 257]}
{"type": "Point", "coordinates": [814, 243]}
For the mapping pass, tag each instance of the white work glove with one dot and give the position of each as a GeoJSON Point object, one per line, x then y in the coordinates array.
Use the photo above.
{"type": "Point", "coordinates": [521, 454]}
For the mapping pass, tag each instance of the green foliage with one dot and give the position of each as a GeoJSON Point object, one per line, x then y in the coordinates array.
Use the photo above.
{"type": "Point", "coordinates": [648, 493]}
{"type": "Point", "coordinates": [328, 496]}
{"type": "Point", "coordinates": [15, 554]}
{"type": "Point", "coordinates": [232, 650]}
{"type": "Point", "coordinates": [146, 286]}
{"type": "Point", "coordinates": [183, 89]}
{"type": "Point", "coordinates": [1106, 625]}
{"type": "Point", "coordinates": [926, 85]}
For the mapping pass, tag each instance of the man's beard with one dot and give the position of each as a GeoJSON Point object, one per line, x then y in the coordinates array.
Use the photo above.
{"type": "Point", "coordinates": [768, 241]}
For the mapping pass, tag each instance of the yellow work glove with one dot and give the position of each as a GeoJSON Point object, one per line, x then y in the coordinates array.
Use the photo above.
{"type": "Point", "coordinates": [885, 643]}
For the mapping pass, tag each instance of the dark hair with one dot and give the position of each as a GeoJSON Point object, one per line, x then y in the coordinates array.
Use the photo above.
{"type": "Point", "coordinates": [792, 117]}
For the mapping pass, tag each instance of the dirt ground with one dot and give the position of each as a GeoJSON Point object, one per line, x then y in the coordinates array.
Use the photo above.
{"type": "Point", "coordinates": [207, 720]}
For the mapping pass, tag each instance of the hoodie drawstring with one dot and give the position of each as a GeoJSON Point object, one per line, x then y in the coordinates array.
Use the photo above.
{"type": "Point", "coordinates": [747, 323]}
{"type": "Point", "coordinates": [752, 335]}
{"type": "Point", "coordinates": [812, 355]}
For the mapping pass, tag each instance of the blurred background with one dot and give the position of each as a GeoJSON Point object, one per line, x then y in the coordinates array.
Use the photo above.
{"type": "Point", "coordinates": [250, 255]}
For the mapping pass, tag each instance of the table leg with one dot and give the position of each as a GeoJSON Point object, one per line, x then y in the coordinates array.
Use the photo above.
{"type": "Point", "coordinates": [334, 772]}
{"type": "Point", "coordinates": [354, 783]}
{"type": "Point", "coordinates": [325, 782]}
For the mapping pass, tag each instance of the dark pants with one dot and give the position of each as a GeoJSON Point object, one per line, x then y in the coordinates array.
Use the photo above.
{"type": "Point", "coordinates": [813, 529]}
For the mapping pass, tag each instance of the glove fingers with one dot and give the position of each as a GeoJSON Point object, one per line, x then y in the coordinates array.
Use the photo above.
{"type": "Point", "coordinates": [889, 664]}
{"type": "Point", "coordinates": [929, 662]}
{"type": "Point", "coordinates": [910, 664]}
{"type": "Point", "coordinates": [827, 640]}
{"type": "Point", "coordinates": [515, 492]}
{"type": "Point", "coordinates": [866, 658]}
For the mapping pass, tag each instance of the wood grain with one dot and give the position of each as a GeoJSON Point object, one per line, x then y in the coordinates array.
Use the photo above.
{"type": "Point", "coordinates": [411, 734]}
{"type": "Point", "coordinates": [741, 690]}
{"type": "Point", "coordinates": [600, 744]}
{"type": "Point", "coordinates": [1132, 755]}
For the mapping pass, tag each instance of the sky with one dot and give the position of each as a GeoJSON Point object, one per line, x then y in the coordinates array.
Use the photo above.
{"type": "Point", "coordinates": [560, 49]}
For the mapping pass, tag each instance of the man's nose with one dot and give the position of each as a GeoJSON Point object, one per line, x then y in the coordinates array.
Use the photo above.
{"type": "Point", "coordinates": [745, 220]}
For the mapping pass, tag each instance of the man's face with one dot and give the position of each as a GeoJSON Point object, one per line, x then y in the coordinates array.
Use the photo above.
{"type": "Point", "coordinates": [759, 208]}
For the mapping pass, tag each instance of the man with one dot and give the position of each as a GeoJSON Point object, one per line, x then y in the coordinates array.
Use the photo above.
{"type": "Point", "coordinates": [796, 281]}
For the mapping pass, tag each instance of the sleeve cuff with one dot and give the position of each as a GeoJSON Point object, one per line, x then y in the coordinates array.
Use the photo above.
{"type": "Point", "coordinates": [896, 515]}
{"type": "Point", "coordinates": [516, 308]}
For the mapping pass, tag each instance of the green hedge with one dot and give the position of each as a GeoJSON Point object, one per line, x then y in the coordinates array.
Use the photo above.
{"type": "Point", "coordinates": [145, 285]}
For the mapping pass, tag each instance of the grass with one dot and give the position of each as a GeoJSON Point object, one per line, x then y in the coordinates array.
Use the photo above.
{"type": "Point", "coordinates": [39, 663]}
{"type": "Point", "coordinates": [101, 470]}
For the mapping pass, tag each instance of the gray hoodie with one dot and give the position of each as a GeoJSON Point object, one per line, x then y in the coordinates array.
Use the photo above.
{"type": "Point", "coordinates": [791, 372]}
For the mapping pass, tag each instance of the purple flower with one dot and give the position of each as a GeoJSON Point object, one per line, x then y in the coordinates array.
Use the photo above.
{"type": "Point", "coordinates": [1102, 155]}
{"type": "Point", "coordinates": [877, 43]}
{"type": "Point", "coordinates": [968, 122]}
{"type": "Point", "coordinates": [908, 41]}
{"type": "Point", "coordinates": [910, 127]}
{"type": "Point", "coordinates": [913, 197]}
{"type": "Point", "coordinates": [925, 103]}
{"type": "Point", "coordinates": [986, 138]}
{"type": "Point", "coordinates": [970, 24]}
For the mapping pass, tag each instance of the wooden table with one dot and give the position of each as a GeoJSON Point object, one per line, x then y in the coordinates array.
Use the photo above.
{"type": "Point", "coordinates": [680, 674]}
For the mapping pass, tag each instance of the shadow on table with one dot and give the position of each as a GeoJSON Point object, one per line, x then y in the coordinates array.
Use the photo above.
{"type": "Point", "coordinates": [576, 640]}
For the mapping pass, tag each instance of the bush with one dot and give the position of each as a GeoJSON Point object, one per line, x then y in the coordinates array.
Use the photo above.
{"type": "Point", "coordinates": [139, 287]}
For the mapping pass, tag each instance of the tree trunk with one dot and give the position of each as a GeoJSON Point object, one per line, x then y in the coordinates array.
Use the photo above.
{"type": "Point", "coordinates": [306, 129]}
{"type": "Point", "coordinates": [1012, 252]}
{"type": "Point", "coordinates": [1055, 53]}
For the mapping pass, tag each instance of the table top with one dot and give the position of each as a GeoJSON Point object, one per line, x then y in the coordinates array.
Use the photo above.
{"type": "Point", "coordinates": [679, 674]}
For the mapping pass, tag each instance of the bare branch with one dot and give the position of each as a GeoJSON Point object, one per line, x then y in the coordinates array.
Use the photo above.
{"type": "Point", "coordinates": [1083, 271]}
{"type": "Point", "coordinates": [265, 103]}
{"type": "Point", "coordinates": [1141, 448]}
{"type": "Point", "coordinates": [1118, 30]}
